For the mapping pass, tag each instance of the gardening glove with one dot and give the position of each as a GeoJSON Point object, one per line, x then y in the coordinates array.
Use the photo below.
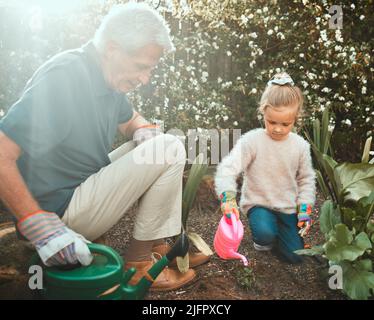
{"type": "Point", "coordinates": [146, 132]}
{"type": "Point", "coordinates": [304, 219]}
{"type": "Point", "coordinates": [228, 204]}
{"type": "Point", "coordinates": [55, 243]}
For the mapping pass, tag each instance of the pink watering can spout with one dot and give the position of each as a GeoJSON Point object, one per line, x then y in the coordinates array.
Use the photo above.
{"type": "Point", "coordinates": [228, 237]}
{"type": "Point", "coordinates": [239, 256]}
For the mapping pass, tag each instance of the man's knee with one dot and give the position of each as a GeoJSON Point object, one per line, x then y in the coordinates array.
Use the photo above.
{"type": "Point", "coordinates": [174, 150]}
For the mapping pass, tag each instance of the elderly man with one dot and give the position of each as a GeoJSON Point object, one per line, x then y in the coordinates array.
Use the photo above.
{"type": "Point", "coordinates": [55, 171]}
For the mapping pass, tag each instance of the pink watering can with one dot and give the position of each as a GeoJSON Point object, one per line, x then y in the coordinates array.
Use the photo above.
{"type": "Point", "coordinates": [228, 237]}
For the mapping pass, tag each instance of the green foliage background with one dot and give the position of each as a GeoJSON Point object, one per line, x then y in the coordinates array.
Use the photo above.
{"type": "Point", "coordinates": [226, 52]}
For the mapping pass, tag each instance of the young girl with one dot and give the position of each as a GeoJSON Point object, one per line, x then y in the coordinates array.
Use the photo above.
{"type": "Point", "coordinates": [278, 189]}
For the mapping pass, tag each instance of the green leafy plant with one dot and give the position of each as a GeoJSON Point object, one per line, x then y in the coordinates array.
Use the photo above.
{"type": "Point", "coordinates": [196, 174]}
{"type": "Point", "coordinates": [245, 277]}
{"type": "Point", "coordinates": [346, 216]}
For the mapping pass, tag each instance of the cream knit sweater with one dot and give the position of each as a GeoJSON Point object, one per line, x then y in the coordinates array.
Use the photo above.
{"type": "Point", "coordinates": [277, 174]}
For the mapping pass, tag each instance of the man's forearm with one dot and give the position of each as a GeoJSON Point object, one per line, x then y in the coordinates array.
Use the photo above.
{"type": "Point", "coordinates": [14, 192]}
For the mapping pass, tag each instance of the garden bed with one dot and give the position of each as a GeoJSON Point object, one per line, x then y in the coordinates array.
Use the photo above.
{"type": "Point", "coordinates": [270, 278]}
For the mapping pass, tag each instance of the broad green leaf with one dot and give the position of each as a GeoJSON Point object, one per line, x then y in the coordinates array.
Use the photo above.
{"type": "Point", "coordinates": [370, 227]}
{"type": "Point", "coordinates": [199, 243]}
{"type": "Point", "coordinates": [328, 217]}
{"type": "Point", "coordinates": [351, 218]}
{"type": "Point", "coordinates": [342, 245]}
{"type": "Point", "coordinates": [357, 179]}
{"type": "Point", "coordinates": [314, 251]}
{"type": "Point", "coordinates": [183, 263]}
{"type": "Point", "coordinates": [358, 279]}
{"type": "Point", "coordinates": [366, 152]}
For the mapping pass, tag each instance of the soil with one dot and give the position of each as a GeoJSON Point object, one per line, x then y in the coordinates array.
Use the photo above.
{"type": "Point", "coordinates": [267, 278]}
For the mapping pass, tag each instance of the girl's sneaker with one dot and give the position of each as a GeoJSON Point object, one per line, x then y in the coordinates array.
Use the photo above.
{"type": "Point", "coordinates": [262, 248]}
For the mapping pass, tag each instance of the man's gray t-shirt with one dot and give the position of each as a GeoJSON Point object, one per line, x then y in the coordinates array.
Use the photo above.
{"type": "Point", "coordinates": [65, 123]}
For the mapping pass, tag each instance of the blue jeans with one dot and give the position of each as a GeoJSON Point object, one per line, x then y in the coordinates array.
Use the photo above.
{"type": "Point", "coordinates": [278, 229]}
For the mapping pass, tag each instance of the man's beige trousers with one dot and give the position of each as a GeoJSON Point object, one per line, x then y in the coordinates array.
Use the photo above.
{"type": "Point", "coordinates": [151, 173]}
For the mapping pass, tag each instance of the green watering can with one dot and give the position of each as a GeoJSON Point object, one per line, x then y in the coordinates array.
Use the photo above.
{"type": "Point", "coordinates": [104, 278]}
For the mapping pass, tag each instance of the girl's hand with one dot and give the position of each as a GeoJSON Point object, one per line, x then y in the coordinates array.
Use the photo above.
{"type": "Point", "coordinates": [228, 203]}
{"type": "Point", "coordinates": [304, 219]}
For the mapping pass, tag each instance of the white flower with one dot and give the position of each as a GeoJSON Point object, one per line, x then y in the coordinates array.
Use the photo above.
{"type": "Point", "coordinates": [215, 45]}
{"type": "Point", "coordinates": [219, 79]}
{"type": "Point", "coordinates": [229, 53]}
{"type": "Point", "coordinates": [253, 35]}
{"type": "Point", "coordinates": [304, 83]}
{"type": "Point", "coordinates": [2, 112]}
{"type": "Point", "coordinates": [341, 98]}
{"type": "Point", "coordinates": [362, 17]}
{"type": "Point", "coordinates": [292, 60]}
{"type": "Point", "coordinates": [363, 90]}
{"type": "Point", "coordinates": [334, 75]}
{"type": "Point", "coordinates": [311, 75]}
{"type": "Point", "coordinates": [205, 74]}
{"type": "Point", "coordinates": [325, 89]}
{"type": "Point", "coordinates": [270, 32]}
{"type": "Point", "coordinates": [227, 84]}
{"type": "Point", "coordinates": [301, 55]}
{"type": "Point", "coordinates": [254, 90]}
{"type": "Point", "coordinates": [277, 70]}
{"type": "Point", "coordinates": [243, 19]}
{"type": "Point", "coordinates": [347, 122]}
{"type": "Point", "coordinates": [265, 9]}
{"type": "Point", "coordinates": [258, 11]}
{"type": "Point", "coordinates": [338, 48]}
{"type": "Point", "coordinates": [235, 123]}
{"type": "Point", "coordinates": [197, 117]}
{"type": "Point", "coordinates": [172, 68]}
{"type": "Point", "coordinates": [251, 16]}
{"type": "Point", "coordinates": [353, 6]}
{"type": "Point", "coordinates": [252, 63]}
{"type": "Point", "coordinates": [281, 36]}
{"type": "Point", "coordinates": [225, 118]}
{"type": "Point", "coordinates": [338, 35]}
{"type": "Point", "coordinates": [323, 35]}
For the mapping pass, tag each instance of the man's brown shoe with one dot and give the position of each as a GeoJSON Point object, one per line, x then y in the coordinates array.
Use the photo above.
{"type": "Point", "coordinates": [168, 279]}
{"type": "Point", "coordinates": [195, 258]}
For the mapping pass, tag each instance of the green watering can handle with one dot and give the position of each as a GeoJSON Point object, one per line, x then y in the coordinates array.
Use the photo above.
{"type": "Point", "coordinates": [112, 256]}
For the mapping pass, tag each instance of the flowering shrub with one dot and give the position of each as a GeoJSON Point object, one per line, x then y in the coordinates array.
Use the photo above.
{"type": "Point", "coordinates": [226, 52]}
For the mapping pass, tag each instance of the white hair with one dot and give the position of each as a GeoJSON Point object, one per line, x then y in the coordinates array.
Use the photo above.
{"type": "Point", "coordinates": [132, 26]}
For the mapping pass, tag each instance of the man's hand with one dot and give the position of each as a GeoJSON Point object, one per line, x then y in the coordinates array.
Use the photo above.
{"type": "Point", "coordinates": [55, 243]}
{"type": "Point", "coordinates": [146, 132]}
{"type": "Point", "coordinates": [304, 219]}
{"type": "Point", "coordinates": [228, 203]}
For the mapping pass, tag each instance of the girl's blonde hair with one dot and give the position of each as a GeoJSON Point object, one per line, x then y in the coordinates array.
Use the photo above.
{"type": "Point", "coordinates": [276, 95]}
